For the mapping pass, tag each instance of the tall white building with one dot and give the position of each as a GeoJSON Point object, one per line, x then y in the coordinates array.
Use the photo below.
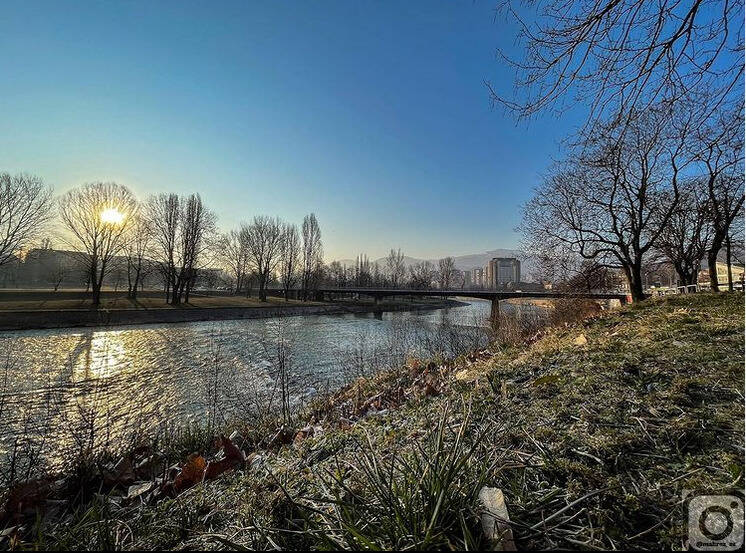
{"type": "Point", "coordinates": [502, 271]}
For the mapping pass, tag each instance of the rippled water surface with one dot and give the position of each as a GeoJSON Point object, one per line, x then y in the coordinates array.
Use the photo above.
{"type": "Point", "coordinates": [64, 382]}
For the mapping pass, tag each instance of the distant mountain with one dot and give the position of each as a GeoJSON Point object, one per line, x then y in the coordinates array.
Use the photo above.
{"type": "Point", "coordinates": [463, 262]}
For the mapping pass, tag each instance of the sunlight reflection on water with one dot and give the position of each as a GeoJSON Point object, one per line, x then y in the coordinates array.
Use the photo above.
{"type": "Point", "coordinates": [59, 383]}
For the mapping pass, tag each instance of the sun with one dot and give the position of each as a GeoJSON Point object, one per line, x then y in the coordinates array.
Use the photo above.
{"type": "Point", "coordinates": [112, 216]}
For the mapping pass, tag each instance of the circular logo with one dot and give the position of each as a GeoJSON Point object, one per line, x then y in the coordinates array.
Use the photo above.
{"type": "Point", "coordinates": [715, 522]}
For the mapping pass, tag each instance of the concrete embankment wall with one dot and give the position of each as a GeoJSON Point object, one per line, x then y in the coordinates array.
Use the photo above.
{"type": "Point", "coordinates": [22, 320]}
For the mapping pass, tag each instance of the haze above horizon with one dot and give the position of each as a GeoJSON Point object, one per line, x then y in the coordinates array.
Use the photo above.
{"type": "Point", "coordinates": [374, 116]}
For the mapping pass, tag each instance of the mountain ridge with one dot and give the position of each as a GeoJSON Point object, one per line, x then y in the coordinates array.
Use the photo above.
{"type": "Point", "coordinates": [462, 262]}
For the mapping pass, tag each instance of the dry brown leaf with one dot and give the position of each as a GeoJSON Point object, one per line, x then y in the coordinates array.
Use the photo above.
{"type": "Point", "coordinates": [231, 451]}
{"type": "Point", "coordinates": [191, 473]}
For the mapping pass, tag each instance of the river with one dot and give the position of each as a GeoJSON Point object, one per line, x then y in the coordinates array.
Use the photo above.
{"type": "Point", "coordinates": [95, 387]}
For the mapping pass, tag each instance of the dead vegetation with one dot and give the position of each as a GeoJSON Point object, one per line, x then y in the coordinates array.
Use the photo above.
{"type": "Point", "coordinates": [593, 432]}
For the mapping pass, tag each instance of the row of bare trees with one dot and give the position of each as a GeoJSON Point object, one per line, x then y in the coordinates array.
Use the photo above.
{"type": "Point", "coordinates": [394, 272]}
{"type": "Point", "coordinates": [655, 185]}
{"type": "Point", "coordinates": [168, 233]}
{"type": "Point", "coordinates": [181, 230]}
{"type": "Point", "coordinates": [173, 235]}
{"type": "Point", "coordinates": [656, 171]}
{"type": "Point", "coordinates": [268, 248]}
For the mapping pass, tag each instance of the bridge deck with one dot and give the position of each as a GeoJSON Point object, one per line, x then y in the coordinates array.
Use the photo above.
{"type": "Point", "coordinates": [481, 294]}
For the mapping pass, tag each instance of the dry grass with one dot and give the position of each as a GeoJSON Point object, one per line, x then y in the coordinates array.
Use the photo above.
{"type": "Point", "coordinates": [594, 432]}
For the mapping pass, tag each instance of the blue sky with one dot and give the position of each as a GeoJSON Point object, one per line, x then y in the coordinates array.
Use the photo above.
{"type": "Point", "coordinates": [374, 115]}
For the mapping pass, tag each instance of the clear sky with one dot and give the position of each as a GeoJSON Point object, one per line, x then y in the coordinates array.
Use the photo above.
{"type": "Point", "coordinates": [374, 115]}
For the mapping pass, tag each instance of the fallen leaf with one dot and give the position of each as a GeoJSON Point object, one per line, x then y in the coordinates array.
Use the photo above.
{"type": "Point", "coordinates": [191, 473]}
{"type": "Point", "coordinates": [231, 451]}
{"type": "Point", "coordinates": [216, 468]}
{"type": "Point", "coordinates": [138, 490]}
{"type": "Point", "coordinates": [121, 473]}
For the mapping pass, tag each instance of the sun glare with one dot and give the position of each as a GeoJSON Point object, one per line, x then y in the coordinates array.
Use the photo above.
{"type": "Point", "coordinates": [112, 216]}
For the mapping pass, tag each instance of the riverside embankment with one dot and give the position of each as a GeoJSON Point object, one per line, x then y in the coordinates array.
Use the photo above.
{"type": "Point", "coordinates": [22, 310]}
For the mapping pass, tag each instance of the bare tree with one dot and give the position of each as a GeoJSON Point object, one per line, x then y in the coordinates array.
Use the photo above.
{"type": "Point", "coordinates": [626, 55]}
{"type": "Point", "coordinates": [720, 150]}
{"type": "Point", "coordinates": [138, 241]}
{"type": "Point", "coordinates": [56, 275]}
{"type": "Point", "coordinates": [589, 276]}
{"type": "Point", "coordinates": [395, 267]}
{"type": "Point", "coordinates": [198, 225]}
{"type": "Point", "coordinates": [610, 201]}
{"type": "Point", "coordinates": [235, 256]}
{"type": "Point", "coordinates": [99, 216]}
{"type": "Point", "coordinates": [163, 216]}
{"type": "Point", "coordinates": [459, 279]}
{"type": "Point", "coordinates": [686, 234]}
{"type": "Point", "coordinates": [25, 205]}
{"type": "Point", "coordinates": [734, 243]}
{"type": "Point", "coordinates": [290, 257]}
{"type": "Point", "coordinates": [422, 275]}
{"type": "Point", "coordinates": [337, 274]}
{"type": "Point", "coordinates": [446, 269]}
{"type": "Point", "coordinates": [264, 246]}
{"type": "Point", "coordinates": [181, 228]}
{"type": "Point", "coordinates": [312, 252]}
{"type": "Point", "coordinates": [363, 273]}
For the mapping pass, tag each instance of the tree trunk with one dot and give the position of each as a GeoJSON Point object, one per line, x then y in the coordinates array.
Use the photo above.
{"type": "Point", "coordinates": [634, 278]}
{"type": "Point", "coordinates": [133, 292]}
{"type": "Point", "coordinates": [263, 288]}
{"type": "Point", "coordinates": [95, 289]}
{"type": "Point", "coordinates": [175, 292]}
{"type": "Point", "coordinates": [687, 274]}
{"type": "Point", "coordinates": [728, 261]}
{"type": "Point", "coordinates": [712, 260]}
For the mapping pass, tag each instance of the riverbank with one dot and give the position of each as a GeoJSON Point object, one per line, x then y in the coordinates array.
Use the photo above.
{"type": "Point", "coordinates": [200, 309]}
{"type": "Point", "coordinates": [593, 432]}
{"type": "Point", "coordinates": [536, 302]}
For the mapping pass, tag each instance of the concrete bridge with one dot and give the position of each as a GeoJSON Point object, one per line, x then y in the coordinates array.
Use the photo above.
{"type": "Point", "coordinates": [495, 296]}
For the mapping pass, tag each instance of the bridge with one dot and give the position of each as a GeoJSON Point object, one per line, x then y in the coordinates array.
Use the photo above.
{"type": "Point", "coordinates": [495, 296]}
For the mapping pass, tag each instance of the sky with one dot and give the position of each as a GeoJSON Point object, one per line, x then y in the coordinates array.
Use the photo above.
{"type": "Point", "coordinates": [373, 115]}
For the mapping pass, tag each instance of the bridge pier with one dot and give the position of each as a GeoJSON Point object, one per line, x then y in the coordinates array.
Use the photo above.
{"type": "Point", "coordinates": [495, 312]}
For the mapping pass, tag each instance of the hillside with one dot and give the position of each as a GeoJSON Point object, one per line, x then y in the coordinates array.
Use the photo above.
{"type": "Point", "coordinates": [593, 432]}
{"type": "Point", "coordinates": [463, 262]}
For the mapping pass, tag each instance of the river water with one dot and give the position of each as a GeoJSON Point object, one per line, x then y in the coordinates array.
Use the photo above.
{"type": "Point", "coordinates": [94, 387]}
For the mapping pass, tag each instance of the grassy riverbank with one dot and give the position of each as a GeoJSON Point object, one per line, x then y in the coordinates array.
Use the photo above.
{"type": "Point", "coordinates": [593, 432]}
